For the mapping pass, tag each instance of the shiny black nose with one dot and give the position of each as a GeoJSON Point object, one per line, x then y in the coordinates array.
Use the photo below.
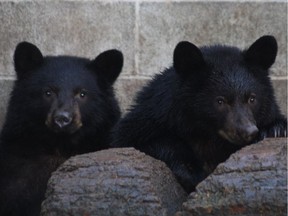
{"type": "Point", "coordinates": [251, 132]}
{"type": "Point", "coordinates": [62, 119]}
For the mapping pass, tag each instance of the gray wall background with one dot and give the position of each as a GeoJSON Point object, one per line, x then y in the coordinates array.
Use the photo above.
{"type": "Point", "coordinates": [145, 31]}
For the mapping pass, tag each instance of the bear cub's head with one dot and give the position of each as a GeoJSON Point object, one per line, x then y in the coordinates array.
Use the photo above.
{"type": "Point", "coordinates": [62, 92]}
{"type": "Point", "coordinates": [231, 92]}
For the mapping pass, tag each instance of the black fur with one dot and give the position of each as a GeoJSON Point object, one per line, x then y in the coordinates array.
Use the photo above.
{"type": "Point", "coordinates": [213, 101]}
{"type": "Point", "coordinates": [59, 107]}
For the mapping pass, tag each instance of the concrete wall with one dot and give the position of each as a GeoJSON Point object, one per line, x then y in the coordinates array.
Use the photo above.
{"type": "Point", "coordinates": [145, 31]}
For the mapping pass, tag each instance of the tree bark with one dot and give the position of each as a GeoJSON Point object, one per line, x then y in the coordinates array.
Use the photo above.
{"type": "Point", "coordinates": [253, 181]}
{"type": "Point", "coordinates": [113, 182]}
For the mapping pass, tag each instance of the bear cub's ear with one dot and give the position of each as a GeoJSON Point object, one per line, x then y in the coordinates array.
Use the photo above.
{"type": "Point", "coordinates": [187, 59]}
{"type": "Point", "coordinates": [262, 52]}
{"type": "Point", "coordinates": [108, 65]}
{"type": "Point", "coordinates": [26, 58]}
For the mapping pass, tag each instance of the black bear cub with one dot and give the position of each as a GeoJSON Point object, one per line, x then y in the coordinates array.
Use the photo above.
{"type": "Point", "coordinates": [213, 101]}
{"type": "Point", "coordinates": [60, 106]}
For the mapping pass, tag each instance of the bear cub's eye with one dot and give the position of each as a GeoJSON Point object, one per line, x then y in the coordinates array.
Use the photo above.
{"type": "Point", "coordinates": [82, 94]}
{"type": "Point", "coordinates": [252, 99]}
{"type": "Point", "coordinates": [48, 93]}
{"type": "Point", "coordinates": [220, 100]}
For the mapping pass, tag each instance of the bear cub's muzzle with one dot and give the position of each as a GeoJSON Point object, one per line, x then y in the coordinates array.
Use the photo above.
{"type": "Point", "coordinates": [64, 120]}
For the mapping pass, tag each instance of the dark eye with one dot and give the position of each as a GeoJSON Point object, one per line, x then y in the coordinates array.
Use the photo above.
{"type": "Point", "coordinates": [220, 100]}
{"type": "Point", "coordinates": [252, 99]}
{"type": "Point", "coordinates": [82, 94]}
{"type": "Point", "coordinates": [48, 93]}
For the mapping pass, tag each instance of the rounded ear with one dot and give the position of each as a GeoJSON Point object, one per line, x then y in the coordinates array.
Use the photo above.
{"type": "Point", "coordinates": [187, 58]}
{"type": "Point", "coordinates": [26, 58]}
{"type": "Point", "coordinates": [262, 52]}
{"type": "Point", "coordinates": [108, 65]}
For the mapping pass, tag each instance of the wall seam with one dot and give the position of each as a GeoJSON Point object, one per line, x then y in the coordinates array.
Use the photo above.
{"type": "Point", "coordinates": [136, 32]}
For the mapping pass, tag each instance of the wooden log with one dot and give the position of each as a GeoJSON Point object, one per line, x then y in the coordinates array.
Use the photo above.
{"type": "Point", "coordinates": [113, 182]}
{"type": "Point", "coordinates": [253, 181]}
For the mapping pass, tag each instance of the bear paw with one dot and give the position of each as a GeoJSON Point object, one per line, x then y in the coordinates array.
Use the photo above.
{"type": "Point", "coordinates": [278, 129]}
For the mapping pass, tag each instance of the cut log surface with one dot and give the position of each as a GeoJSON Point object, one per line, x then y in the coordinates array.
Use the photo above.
{"type": "Point", "coordinates": [253, 181]}
{"type": "Point", "coordinates": [113, 182]}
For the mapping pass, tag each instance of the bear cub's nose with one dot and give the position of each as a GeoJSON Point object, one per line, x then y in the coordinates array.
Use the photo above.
{"type": "Point", "coordinates": [251, 132]}
{"type": "Point", "coordinates": [62, 119]}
